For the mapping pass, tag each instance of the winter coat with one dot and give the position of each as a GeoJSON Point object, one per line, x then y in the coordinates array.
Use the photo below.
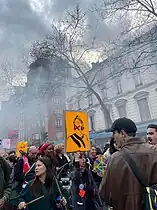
{"type": "Point", "coordinates": [46, 203]}
{"type": "Point", "coordinates": [119, 187]}
{"type": "Point", "coordinates": [90, 200]}
{"type": "Point", "coordinates": [5, 181]}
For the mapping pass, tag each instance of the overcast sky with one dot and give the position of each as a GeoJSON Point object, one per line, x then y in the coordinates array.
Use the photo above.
{"type": "Point", "coordinates": [24, 21]}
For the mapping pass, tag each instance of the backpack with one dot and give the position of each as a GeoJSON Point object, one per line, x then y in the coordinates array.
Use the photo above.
{"type": "Point", "coordinates": [150, 192]}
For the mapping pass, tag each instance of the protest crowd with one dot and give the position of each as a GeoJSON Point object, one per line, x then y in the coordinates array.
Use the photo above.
{"type": "Point", "coordinates": [123, 176]}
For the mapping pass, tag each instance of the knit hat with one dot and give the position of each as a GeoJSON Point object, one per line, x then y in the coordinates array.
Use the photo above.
{"type": "Point", "coordinates": [43, 148]}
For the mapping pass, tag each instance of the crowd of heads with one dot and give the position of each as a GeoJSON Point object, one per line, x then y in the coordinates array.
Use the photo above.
{"type": "Point", "coordinates": [123, 129]}
{"type": "Point", "coordinates": [45, 150]}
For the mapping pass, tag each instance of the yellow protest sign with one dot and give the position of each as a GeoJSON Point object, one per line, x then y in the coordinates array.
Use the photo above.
{"type": "Point", "coordinates": [21, 146]}
{"type": "Point", "coordinates": [76, 131]}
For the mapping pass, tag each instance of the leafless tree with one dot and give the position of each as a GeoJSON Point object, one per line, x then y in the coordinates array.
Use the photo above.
{"type": "Point", "coordinates": [146, 6]}
{"type": "Point", "coordinates": [7, 79]}
{"type": "Point", "coordinates": [139, 33]}
{"type": "Point", "coordinates": [67, 42]}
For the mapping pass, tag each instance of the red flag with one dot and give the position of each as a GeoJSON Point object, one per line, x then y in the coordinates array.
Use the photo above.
{"type": "Point", "coordinates": [26, 165]}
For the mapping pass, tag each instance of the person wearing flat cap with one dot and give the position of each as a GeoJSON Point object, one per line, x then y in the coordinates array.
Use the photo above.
{"type": "Point", "coordinates": [120, 188]}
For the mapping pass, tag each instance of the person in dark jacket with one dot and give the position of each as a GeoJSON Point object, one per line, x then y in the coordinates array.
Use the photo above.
{"type": "Point", "coordinates": [19, 175]}
{"type": "Point", "coordinates": [12, 160]}
{"type": "Point", "coordinates": [20, 178]}
{"type": "Point", "coordinates": [120, 187]}
{"type": "Point", "coordinates": [62, 161]}
{"type": "Point", "coordinates": [84, 190]}
{"type": "Point", "coordinates": [5, 182]}
{"type": "Point", "coordinates": [42, 186]}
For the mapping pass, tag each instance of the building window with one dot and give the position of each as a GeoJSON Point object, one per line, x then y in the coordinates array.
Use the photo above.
{"type": "Point", "coordinates": [137, 79]}
{"type": "Point", "coordinates": [122, 111]}
{"type": "Point", "coordinates": [144, 109]}
{"type": "Point", "coordinates": [142, 102]}
{"type": "Point", "coordinates": [91, 119]}
{"type": "Point", "coordinates": [121, 107]}
{"type": "Point", "coordinates": [91, 115]}
{"type": "Point", "coordinates": [119, 87]}
{"type": "Point", "coordinates": [90, 100]}
{"type": "Point", "coordinates": [58, 123]}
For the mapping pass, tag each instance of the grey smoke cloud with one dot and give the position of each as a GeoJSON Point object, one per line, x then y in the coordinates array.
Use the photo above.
{"type": "Point", "coordinates": [20, 25]}
{"type": "Point", "coordinates": [102, 30]}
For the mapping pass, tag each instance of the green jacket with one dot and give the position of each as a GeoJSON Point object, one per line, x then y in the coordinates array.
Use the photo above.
{"type": "Point", "coordinates": [5, 181]}
{"type": "Point", "coordinates": [45, 203]}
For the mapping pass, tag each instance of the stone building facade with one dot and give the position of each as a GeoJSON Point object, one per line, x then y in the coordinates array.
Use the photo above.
{"type": "Point", "coordinates": [126, 81]}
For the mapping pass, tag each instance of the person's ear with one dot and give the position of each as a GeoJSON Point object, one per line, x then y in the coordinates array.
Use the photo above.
{"type": "Point", "coordinates": [123, 133]}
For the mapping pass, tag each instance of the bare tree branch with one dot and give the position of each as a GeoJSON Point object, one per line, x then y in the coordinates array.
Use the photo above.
{"type": "Point", "coordinates": [67, 43]}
